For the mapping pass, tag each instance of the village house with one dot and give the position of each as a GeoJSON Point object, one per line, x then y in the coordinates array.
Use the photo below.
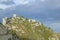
{"type": "Point", "coordinates": [32, 20]}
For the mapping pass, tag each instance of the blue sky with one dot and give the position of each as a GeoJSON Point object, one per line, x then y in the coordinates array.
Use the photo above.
{"type": "Point", "coordinates": [46, 11]}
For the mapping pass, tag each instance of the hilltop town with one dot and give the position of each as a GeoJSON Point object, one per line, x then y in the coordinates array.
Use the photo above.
{"type": "Point", "coordinates": [22, 28]}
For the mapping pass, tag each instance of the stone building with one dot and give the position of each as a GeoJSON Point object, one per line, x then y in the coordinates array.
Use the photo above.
{"type": "Point", "coordinates": [14, 15]}
{"type": "Point", "coordinates": [32, 20]}
{"type": "Point", "coordinates": [4, 20]}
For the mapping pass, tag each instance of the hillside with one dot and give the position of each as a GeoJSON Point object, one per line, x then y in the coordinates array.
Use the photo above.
{"type": "Point", "coordinates": [28, 29]}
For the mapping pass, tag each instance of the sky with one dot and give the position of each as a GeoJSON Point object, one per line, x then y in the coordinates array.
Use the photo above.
{"type": "Point", "coordinates": [46, 11]}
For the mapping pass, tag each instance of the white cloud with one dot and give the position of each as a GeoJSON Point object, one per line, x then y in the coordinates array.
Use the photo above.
{"type": "Point", "coordinates": [52, 4]}
{"type": "Point", "coordinates": [23, 1]}
{"type": "Point", "coordinates": [3, 6]}
{"type": "Point", "coordinates": [42, 0]}
{"type": "Point", "coordinates": [6, 4]}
